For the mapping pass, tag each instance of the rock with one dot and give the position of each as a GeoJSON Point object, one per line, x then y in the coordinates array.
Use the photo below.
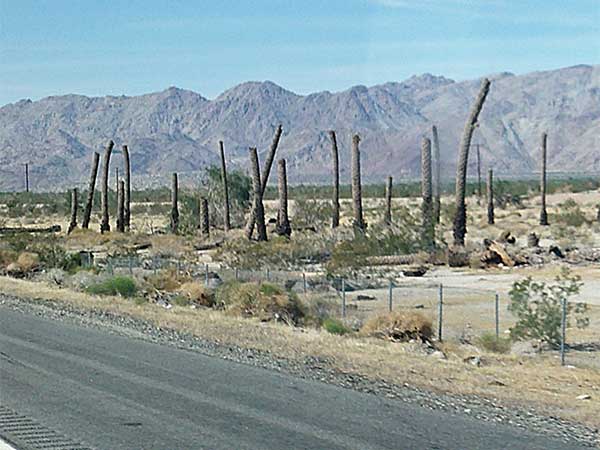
{"type": "Point", "coordinates": [438, 354]}
{"type": "Point", "coordinates": [533, 240]}
{"type": "Point", "coordinates": [584, 397]}
{"type": "Point", "coordinates": [14, 270]}
{"type": "Point", "coordinates": [556, 251]}
{"type": "Point", "coordinates": [214, 280]}
{"type": "Point", "coordinates": [473, 360]}
{"type": "Point", "coordinates": [419, 306]}
{"type": "Point", "coordinates": [362, 297]}
{"type": "Point", "coordinates": [416, 271]}
{"type": "Point", "coordinates": [52, 276]}
{"type": "Point", "coordinates": [507, 238]}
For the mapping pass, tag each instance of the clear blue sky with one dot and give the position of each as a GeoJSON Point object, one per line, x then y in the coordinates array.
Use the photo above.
{"type": "Point", "coordinates": [50, 47]}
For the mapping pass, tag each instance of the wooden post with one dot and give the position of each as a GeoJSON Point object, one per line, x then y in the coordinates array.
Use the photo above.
{"type": "Point", "coordinates": [283, 225]}
{"type": "Point", "coordinates": [127, 193]}
{"type": "Point", "coordinates": [174, 204]}
{"type": "Point", "coordinates": [226, 215]}
{"type": "Point", "coordinates": [335, 219]}
{"type": "Point", "coordinates": [204, 220]}
{"type": "Point", "coordinates": [121, 207]}
{"type": "Point", "coordinates": [90, 193]}
{"type": "Point", "coordinates": [257, 205]}
{"type": "Point", "coordinates": [359, 223]}
{"type": "Point", "coordinates": [105, 224]}
{"type": "Point", "coordinates": [387, 218]}
{"type": "Point", "coordinates": [74, 206]}
{"type": "Point", "coordinates": [490, 197]}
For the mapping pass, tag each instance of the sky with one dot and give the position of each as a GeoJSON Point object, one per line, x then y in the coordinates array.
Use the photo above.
{"type": "Point", "coordinates": [96, 48]}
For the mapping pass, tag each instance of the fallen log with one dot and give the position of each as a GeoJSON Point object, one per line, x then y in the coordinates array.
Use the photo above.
{"type": "Point", "coordinates": [15, 230]}
{"type": "Point", "coordinates": [208, 246]}
{"type": "Point", "coordinates": [392, 260]}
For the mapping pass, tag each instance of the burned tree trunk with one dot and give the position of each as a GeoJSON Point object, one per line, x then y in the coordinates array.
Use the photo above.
{"type": "Point", "coordinates": [204, 220]}
{"type": "Point", "coordinates": [257, 204]}
{"type": "Point", "coordinates": [105, 224]}
{"type": "Point", "coordinates": [127, 193]}
{"type": "Point", "coordinates": [174, 204]}
{"type": "Point", "coordinates": [359, 223]}
{"type": "Point", "coordinates": [460, 219]}
{"type": "Point", "coordinates": [479, 190]}
{"type": "Point", "coordinates": [335, 219]}
{"type": "Point", "coordinates": [543, 212]}
{"type": "Point", "coordinates": [490, 197]}
{"type": "Point", "coordinates": [226, 215]}
{"type": "Point", "coordinates": [283, 223]}
{"type": "Point", "coordinates": [74, 206]}
{"type": "Point", "coordinates": [90, 193]}
{"type": "Point", "coordinates": [265, 175]}
{"type": "Point", "coordinates": [387, 218]}
{"type": "Point", "coordinates": [121, 207]}
{"type": "Point", "coordinates": [428, 231]}
{"type": "Point", "coordinates": [436, 176]}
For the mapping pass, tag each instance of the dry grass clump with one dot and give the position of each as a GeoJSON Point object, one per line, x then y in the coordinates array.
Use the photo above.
{"type": "Point", "coordinates": [197, 293]}
{"type": "Point", "coordinates": [167, 280]}
{"type": "Point", "coordinates": [399, 326]}
{"type": "Point", "coordinates": [28, 261]}
{"type": "Point", "coordinates": [264, 301]}
{"type": "Point", "coordinates": [7, 257]}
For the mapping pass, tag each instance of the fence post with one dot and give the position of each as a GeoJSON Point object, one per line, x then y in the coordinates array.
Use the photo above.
{"type": "Point", "coordinates": [440, 312]}
{"type": "Point", "coordinates": [206, 275]}
{"type": "Point", "coordinates": [130, 265]}
{"type": "Point", "coordinates": [343, 298]}
{"type": "Point", "coordinates": [304, 281]}
{"type": "Point", "coordinates": [390, 296]}
{"type": "Point", "coordinates": [496, 307]}
{"type": "Point", "coordinates": [563, 329]}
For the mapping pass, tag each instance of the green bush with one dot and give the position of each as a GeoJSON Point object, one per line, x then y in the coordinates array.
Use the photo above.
{"type": "Point", "coordinates": [491, 343]}
{"type": "Point", "coordinates": [570, 214]}
{"type": "Point", "coordinates": [537, 307]}
{"type": "Point", "coordinates": [122, 286]}
{"type": "Point", "coordinates": [335, 326]}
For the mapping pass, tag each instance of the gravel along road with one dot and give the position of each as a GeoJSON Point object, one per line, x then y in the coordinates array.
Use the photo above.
{"type": "Point", "coordinates": [106, 391]}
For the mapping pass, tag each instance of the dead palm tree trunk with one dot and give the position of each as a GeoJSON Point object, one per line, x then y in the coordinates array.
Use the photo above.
{"type": "Point", "coordinates": [543, 212]}
{"type": "Point", "coordinates": [387, 218]}
{"type": "Point", "coordinates": [257, 205]}
{"type": "Point", "coordinates": [174, 204]}
{"type": "Point", "coordinates": [90, 193]}
{"type": "Point", "coordinates": [460, 219]}
{"type": "Point", "coordinates": [127, 193]}
{"type": "Point", "coordinates": [204, 220]}
{"type": "Point", "coordinates": [335, 219]}
{"type": "Point", "coordinates": [105, 224]}
{"type": "Point", "coordinates": [359, 223]}
{"type": "Point", "coordinates": [436, 176]}
{"type": "Point", "coordinates": [479, 190]}
{"type": "Point", "coordinates": [265, 174]}
{"type": "Point", "coordinates": [226, 215]}
{"type": "Point", "coordinates": [428, 231]}
{"type": "Point", "coordinates": [490, 197]}
{"type": "Point", "coordinates": [121, 207]}
{"type": "Point", "coordinates": [283, 223]}
{"type": "Point", "coordinates": [74, 206]}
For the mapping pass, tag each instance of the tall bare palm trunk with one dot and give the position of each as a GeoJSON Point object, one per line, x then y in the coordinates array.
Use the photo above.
{"type": "Point", "coordinates": [105, 224]}
{"type": "Point", "coordinates": [89, 204]}
{"type": "Point", "coordinates": [265, 174]}
{"type": "Point", "coordinates": [258, 210]}
{"type": "Point", "coordinates": [436, 176]}
{"type": "Point", "coordinates": [283, 223]}
{"type": "Point", "coordinates": [428, 230]}
{"type": "Point", "coordinates": [479, 190]}
{"type": "Point", "coordinates": [204, 217]}
{"type": "Point", "coordinates": [74, 206]}
{"type": "Point", "coordinates": [127, 193]}
{"type": "Point", "coordinates": [335, 200]}
{"type": "Point", "coordinates": [490, 197]}
{"type": "Point", "coordinates": [460, 220]}
{"type": "Point", "coordinates": [174, 204]}
{"type": "Point", "coordinates": [226, 215]}
{"type": "Point", "coordinates": [387, 218]}
{"type": "Point", "coordinates": [359, 223]}
{"type": "Point", "coordinates": [121, 207]}
{"type": "Point", "coordinates": [543, 212]}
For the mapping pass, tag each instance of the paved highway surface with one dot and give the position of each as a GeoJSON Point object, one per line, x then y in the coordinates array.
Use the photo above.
{"type": "Point", "coordinates": [112, 392]}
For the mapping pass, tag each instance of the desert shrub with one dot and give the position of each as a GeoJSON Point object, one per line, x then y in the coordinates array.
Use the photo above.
{"type": "Point", "coordinates": [399, 326]}
{"type": "Point", "coordinates": [118, 285]}
{"type": "Point", "coordinates": [311, 212]}
{"type": "Point", "coordinates": [7, 257]}
{"type": "Point", "coordinates": [239, 186]}
{"type": "Point", "coordinates": [537, 307]}
{"type": "Point", "coordinates": [335, 326]}
{"type": "Point", "coordinates": [167, 280]}
{"type": "Point", "coordinates": [181, 300]}
{"type": "Point", "coordinates": [197, 293]}
{"type": "Point", "coordinates": [28, 261]}
{"type": "Point", "coordinates": [320, 307]}
{"type": "Point", "coordinates": [491, 343]}
{"type": "Point", "coordinates": [264, 301]}
{"type": "Point", "coordinates": [570, 214]}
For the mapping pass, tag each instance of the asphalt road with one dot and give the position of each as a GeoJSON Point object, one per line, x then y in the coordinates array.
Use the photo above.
{"type": "Point", "coordinates": [113, 392]}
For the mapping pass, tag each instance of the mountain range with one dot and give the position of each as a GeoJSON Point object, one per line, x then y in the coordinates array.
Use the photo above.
{"type": "Point", "coordinates": [178, 130]}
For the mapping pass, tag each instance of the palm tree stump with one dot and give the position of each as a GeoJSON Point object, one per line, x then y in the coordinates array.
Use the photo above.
{"type": "Point", "coordinates": [335, 200]}
{"type": "Point", "coordinates": [174, 204]}
{"type": "Point", "coordinates": [428, 229]}
{"type": "Point", "coordinates": [543, 212]}
{"type": "Point", "coordinates": [105, 224]}
{"type": "Point", "coordinates": [490, 197]}
{"type": "Point", "coordinates": [89, 204]}
{"type": "Point", "coordinates": [359, 223]}
{"type": "Point", "coordinates": [74, 206]}
{"type": "Point", "coordinates": [283, 222]}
